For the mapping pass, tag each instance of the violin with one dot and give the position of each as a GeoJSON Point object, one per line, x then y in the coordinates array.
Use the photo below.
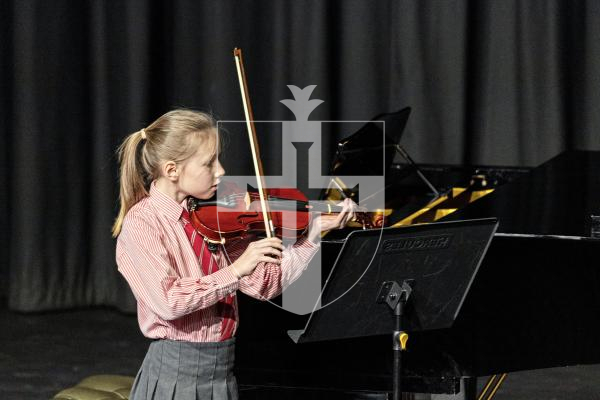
{"type": "Point", "coordinates": [238, 214]}
{"type": "Point", "coordinates": [285, 212]}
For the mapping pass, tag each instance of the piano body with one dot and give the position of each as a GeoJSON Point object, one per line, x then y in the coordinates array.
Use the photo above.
{"type": "Point", "coordinates": [535, 301]}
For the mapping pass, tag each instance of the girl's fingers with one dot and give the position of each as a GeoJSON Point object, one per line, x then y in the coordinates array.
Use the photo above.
{"type": "Point", "coordinates": [268, 259]}
{"type": "Point", "coordinates": [340, 218]}
{"type": "Point", "coordinates": [350, 218]}
{"type": "Point", "coordinates": [269, 242]}
{"type": "Point", "coordinates": [349, 206]}
{"type": "Point", "coordinates": [272, 251]}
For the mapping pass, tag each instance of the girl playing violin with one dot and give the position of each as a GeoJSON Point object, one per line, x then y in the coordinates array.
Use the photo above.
{"type": "Point", "coordinates": [186, 294]}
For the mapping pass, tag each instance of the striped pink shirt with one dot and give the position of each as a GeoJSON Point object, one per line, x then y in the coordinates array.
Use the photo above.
{"type": "Point", "coordinates": [175, 300]}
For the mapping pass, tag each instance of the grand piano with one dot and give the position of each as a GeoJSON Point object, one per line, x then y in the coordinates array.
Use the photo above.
{"type": "Point", "coordinates": [535, 301]}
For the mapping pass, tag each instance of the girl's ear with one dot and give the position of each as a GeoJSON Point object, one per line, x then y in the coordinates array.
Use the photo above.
{"type": "Point", "coordinates": [170, 170]}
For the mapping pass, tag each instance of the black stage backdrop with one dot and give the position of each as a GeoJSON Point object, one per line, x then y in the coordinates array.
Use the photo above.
{"type": "Point", "coordinates": [508, 82]}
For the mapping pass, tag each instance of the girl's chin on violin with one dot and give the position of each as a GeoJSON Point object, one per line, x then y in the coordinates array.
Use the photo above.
{"type": "Point", "coordinates": [206, 194]}
{"type": "Point", "coordinates": [211, 191]}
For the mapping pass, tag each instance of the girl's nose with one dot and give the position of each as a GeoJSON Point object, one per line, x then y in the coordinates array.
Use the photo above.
{"type": "Point", "coordinates": [220, 171]}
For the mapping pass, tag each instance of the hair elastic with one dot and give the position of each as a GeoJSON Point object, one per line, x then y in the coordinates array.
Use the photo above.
{"type": "Point", "coordinates": [143, 132]}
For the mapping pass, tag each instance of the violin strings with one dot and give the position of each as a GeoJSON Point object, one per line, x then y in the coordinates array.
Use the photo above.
{"type": "Point", "coordinates": [274, 200]}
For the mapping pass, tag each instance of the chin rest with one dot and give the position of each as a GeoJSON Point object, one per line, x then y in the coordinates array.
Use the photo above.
{"type": "Point", "coordinates": [99, 387]}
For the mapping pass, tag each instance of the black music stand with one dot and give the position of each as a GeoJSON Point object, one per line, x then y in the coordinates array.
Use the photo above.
{"type": "Point", "coordinates": [423, 272]}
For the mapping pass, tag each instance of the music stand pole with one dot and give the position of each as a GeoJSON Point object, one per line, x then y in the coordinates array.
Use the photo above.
{"type": "Point", "coordinates": [396, 296]}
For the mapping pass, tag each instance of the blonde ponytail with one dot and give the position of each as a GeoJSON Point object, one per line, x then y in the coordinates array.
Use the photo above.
{"type": "Point", "coordinates": [175, 136]}
{"type": "Point", "coordinates": [131, 188]}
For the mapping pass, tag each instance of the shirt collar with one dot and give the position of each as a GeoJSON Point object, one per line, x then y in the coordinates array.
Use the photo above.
{"type": "Point", "coordinates": [165, 205]}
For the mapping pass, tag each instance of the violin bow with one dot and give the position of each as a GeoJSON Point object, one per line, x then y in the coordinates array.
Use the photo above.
{"type": "Point", "coordinates": [258, 167]}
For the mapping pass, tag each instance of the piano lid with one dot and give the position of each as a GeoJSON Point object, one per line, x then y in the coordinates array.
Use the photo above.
{"type": "Point", "coordinates": [556, 198]}
{"type": "Point", "coordinates": [361, 153]}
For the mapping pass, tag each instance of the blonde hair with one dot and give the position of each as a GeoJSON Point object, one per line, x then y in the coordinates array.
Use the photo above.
{"type": "Point", "coordinates": [174, 136]}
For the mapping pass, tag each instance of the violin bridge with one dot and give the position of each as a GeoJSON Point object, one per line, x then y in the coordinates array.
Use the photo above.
{"type": "Point", "coordinates": [247, 201]}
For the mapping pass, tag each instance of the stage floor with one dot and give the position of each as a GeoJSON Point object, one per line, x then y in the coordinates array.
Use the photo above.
{"type": "Point", "coordinates": [40, 354]}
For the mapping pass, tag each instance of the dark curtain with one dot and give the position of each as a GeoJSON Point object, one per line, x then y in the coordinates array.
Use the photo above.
{"type": "Point", "coordinates": [490, 82]}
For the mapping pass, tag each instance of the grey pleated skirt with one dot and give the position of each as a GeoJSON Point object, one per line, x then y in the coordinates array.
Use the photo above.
{"type": "Point", "coordinates": [174, 370]}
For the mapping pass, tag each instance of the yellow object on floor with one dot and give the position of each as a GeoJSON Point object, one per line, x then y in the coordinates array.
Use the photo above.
{"type": "Point", "coordinates": [99, 387]}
